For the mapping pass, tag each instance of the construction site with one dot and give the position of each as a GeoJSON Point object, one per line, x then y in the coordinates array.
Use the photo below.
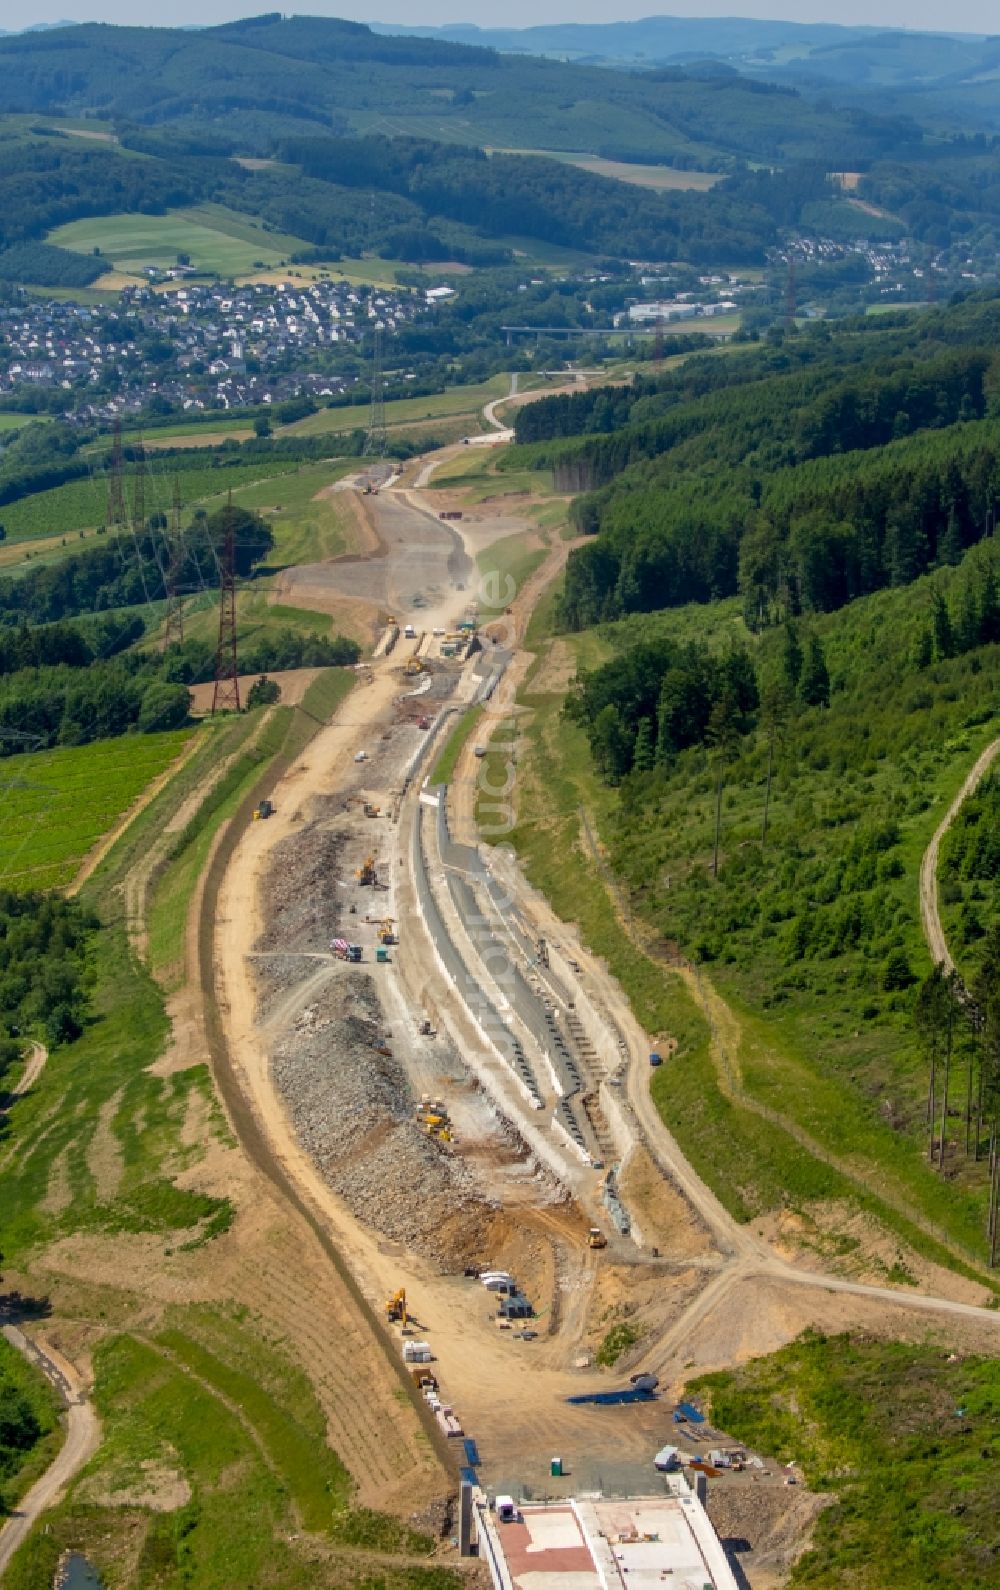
{"type": "Point", "coordinates": [457, 1206]}
{"type": "Point", "coordinates": [459, 1091]}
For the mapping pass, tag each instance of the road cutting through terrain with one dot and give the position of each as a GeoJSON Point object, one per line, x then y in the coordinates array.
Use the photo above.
{"type": "Point", "coordinates": [510, 1393]}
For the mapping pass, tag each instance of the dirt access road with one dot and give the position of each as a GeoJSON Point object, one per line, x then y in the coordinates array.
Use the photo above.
{"type": "Point", "coordinates": [83, 1433]}
{"type": "Point", "coordinates": [82, 1426]}
{"type": "Point", "coordinates": [929, 911]}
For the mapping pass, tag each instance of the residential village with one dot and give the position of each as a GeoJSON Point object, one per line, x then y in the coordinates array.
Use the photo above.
{"type": "Point", "coordinates": [197, 346]}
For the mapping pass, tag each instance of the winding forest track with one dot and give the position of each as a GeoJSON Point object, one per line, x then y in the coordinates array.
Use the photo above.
{"type": "Point", "coordinates": [930, 914]}
{"type": "Point", "coordinates": [83, 1433]}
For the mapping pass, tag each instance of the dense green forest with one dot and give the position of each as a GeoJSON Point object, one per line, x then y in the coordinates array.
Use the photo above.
{"type": "Point", "coordinates": [231, 88]}
{"type": "Point", "coordinates": [29, 1411]}
{"type": "Point", "coordinates": [800, 475]}
{"type": "Point", "coordinates": [43, 970]}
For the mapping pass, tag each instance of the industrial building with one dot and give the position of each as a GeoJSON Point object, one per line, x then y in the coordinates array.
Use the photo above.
{"type": "Point", "coordinates": [598, 1544]}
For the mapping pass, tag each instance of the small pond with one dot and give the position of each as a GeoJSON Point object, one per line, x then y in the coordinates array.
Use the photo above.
{"type": "Point", "coordinates": [76, 1573]}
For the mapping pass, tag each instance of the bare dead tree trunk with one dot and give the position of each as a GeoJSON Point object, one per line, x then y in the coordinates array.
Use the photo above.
{"type": "Point", "coordinates": [968, 1099]}
{"type": "Point", "coordinates": [991, 1216]}
{"type": "Point", "coordinates": [931, 1101]}
{"type": "Point", "coordinates": [944, 1099]}
{"type": "Point", "coordinates": [979, 1106]}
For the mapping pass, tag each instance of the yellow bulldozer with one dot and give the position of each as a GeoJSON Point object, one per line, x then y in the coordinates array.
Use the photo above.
{"type": "Point", "coordinates": [596, 1238]}
{"type": "Point", "coordinates": [413, 666]}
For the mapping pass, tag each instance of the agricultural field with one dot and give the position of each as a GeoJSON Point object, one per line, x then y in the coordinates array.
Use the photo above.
{"type": "Point", "coordinates": [17, 422]}
{"type": "Point", "coordinates": [82, 504]}
{"type": "Point", "coordinates": [58, 804]}
{"type": "Point", "coordinates": [219, 241]}
{"type": "Point", "coordinates": [402, 411]}
{"type": "Point", "coordinates": [662, 179]}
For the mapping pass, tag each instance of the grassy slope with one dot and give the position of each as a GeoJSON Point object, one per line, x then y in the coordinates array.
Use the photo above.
{"type": "Point", "coordinates": [59, 803]}
{"type": "Point", "coordinates": [444, 767]}
{"type": "Point", "coordinates": [903, 1438]}
{"type": "Point", "coordinates": [218, 240]}
{"type": "Point", "coordinates": [823, 1043]}
{"type": "Point", "coordinates": [82, 504]}
{"type": "Point", "coordinates": [398, 411]}
{"type": "Point", "coordinates": [504, 568]}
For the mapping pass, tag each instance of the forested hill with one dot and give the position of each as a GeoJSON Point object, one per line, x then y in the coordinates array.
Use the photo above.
{"type": "Point", "coordinates": [242, 85]}
{"type": "Point", "coordinates": [800, 475]}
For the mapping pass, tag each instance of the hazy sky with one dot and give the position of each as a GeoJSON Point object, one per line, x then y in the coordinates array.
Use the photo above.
{"type": "Point", "coordinates": [973, 16]}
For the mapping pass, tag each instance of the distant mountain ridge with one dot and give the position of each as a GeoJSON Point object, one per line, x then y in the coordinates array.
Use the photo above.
{"type": "Point", "coordinates": [663, 39]}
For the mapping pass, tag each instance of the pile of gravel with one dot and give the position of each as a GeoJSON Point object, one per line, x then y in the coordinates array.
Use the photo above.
{"type": "Point", "coordinates": [301, 892]}
{"type": "Point", "coordinates": [353, 1113]}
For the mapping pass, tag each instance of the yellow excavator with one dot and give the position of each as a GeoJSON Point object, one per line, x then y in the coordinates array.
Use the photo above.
{"type": "Point", "coordinates": [387, 931]}
{"type": "Point", "coordinates": [395, 1308]}
{"type": "Point", "coordinates": [366, 872]}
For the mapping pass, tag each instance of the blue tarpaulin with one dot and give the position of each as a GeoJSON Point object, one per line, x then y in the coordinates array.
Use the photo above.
{"type": "Point", "coordinates": [690, 1413]}
{"type": "Point", "coordinates": [610, 1399]}
{"type": "Point", "coordinates": [471, 1452]}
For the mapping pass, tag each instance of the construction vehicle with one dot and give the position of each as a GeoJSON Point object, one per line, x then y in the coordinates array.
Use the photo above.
{"type": "Point", "coordinates": [372, 810]}
{"type": "Point", "coordinates": [345, 951]}
{"type": "Point", "coordinates": [386, 931]}
{"type": "Point", "coordinates": [596, 1238]}
{"type": "Point", "coordinates": [413, 666]}
{"type": "Point", "coordinates": [423, 723]}
{"type": "Point", "coordinates": [425, 1029]}
{"type": "Point", "coordinates": [263, 809]}
{"type": "Point", "coordinates": [395, 1308]}
{"type": "Point", "coordinates": [366, 873]}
